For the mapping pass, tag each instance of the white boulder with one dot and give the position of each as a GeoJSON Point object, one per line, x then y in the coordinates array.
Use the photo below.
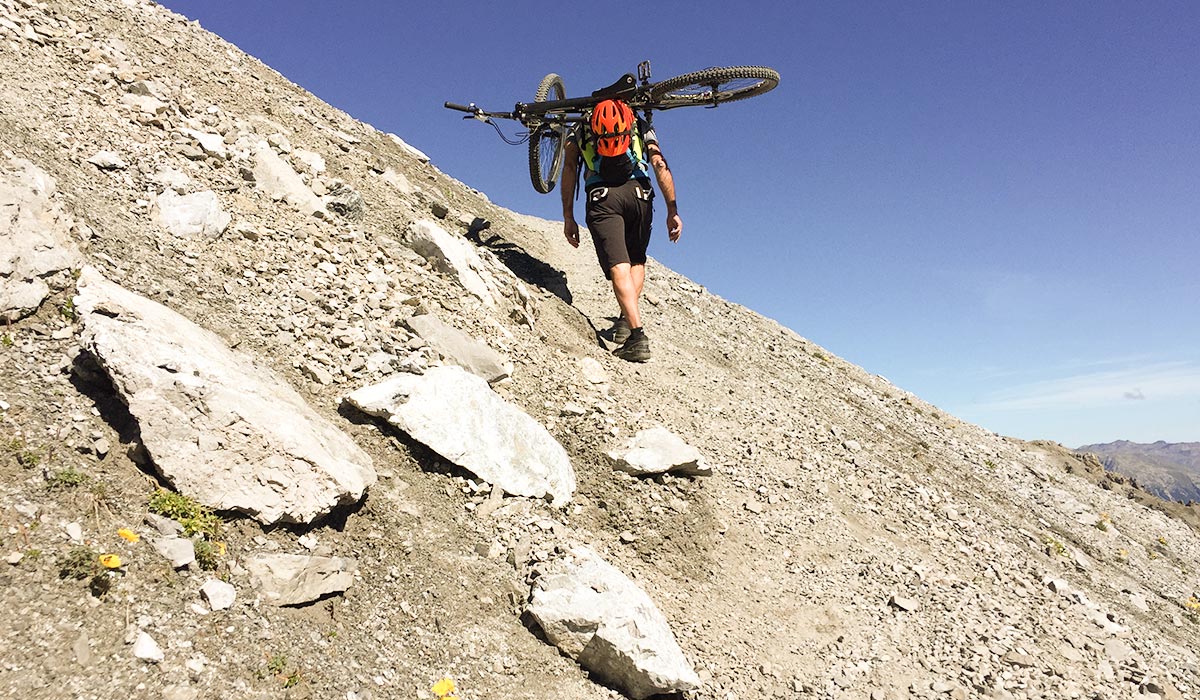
{"type": "Point", "coordinates": [220, 595]}
{"type": "Point", "coordinates": [597, 616]}
{"type": "Point", "coordinates": [279, 180]}
{"type": "Point", "coordinates": [146, 649]}
{"type": "Point", "coordinates": [453, 256]}
{"type": "Point", "coordinates": [658, 450]}
{"type": "Point", "coordinates": [458, 416]}
{"type": "Point", "coordinates": [180, 551]}
{"type": "Point", "coordinates": [296, 579]}
{"type": "Point", "coordinates": [472, 355]}
{"type": "Point", "coordinates": [191, 215]}
{"type": "Point", "coordinates": [222, 430]}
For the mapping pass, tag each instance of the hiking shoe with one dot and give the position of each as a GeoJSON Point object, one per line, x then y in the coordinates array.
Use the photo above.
{"type": "Point", "coordinates": [620, 330]}
{"type": "Point", "coordinates": [634, 349]}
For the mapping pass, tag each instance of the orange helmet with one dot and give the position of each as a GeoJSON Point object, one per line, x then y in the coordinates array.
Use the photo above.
{"type": "Point", "coordinates": [612, 123]}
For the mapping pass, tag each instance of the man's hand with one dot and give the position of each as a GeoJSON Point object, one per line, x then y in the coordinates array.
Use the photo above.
{"type": "Point", "coordinates": [571, 231]}
{"type": "Point", "coordinates": [674, 226]}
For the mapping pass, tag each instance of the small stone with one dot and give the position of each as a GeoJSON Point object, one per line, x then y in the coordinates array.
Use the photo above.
{"type": "Point", "coordinates": [15, 558]}
{"type": "Point", "coordinates": [318, 373]}
{"type": "Point", "coordinates": [1059, 586]}
{"type": "Point", "coordinates": [1016, 658]}
{"type": "Point", "coordinates": [220, 595]}
{"type": "Point", "coordinates": [179, 551]}
{"type": "Point", "coordinates": [107, 160]}
{"type": "Point", "coordinates": [904, 604]}
{"type": "Point", "coordinates": [101, 447]}
{"type": "Point", "coordinates": [754, 507]}
{"type": "Point", "coordinates": [212, 144]}
{"type": "Point", "coordinates": [146, 649]}
{"type": "Point", "coordinates": [82, 650]}
{"type": "Point", "coordinates": [74, 532]}
{"type": "Point", "coordinates": [628, 537]}
{"type": "Point", "coordinates": [165, 526]}
{"type": "Point", "coordinates": [593, 371]}
{"type": "Point", "coordinates": [180, 692]}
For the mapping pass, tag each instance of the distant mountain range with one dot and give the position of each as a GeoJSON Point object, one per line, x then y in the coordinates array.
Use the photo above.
{"type": "Point", "coordinates": [1169, 470]}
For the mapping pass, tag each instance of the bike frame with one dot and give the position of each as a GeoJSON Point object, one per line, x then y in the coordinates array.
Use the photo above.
{"type": "Point", "coordinates": [571, 110]}
{"type": "Point", "coordinates": [549, 120]}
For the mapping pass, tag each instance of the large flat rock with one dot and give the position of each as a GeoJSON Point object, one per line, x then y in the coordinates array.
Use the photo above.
{"type": "Point", "coordinates": [454, 257]}
{"type": "Point", "coordinates": [458, 416]}
{"type": "Point", "coordinates": [472, 355]}
{"type": "Point", "coordinates": [597, 616]}
{"type": "Point", "coordinates": [296, 579]}
{"type": "Point", "coordinates": [657, 450]}
{"type": "Point", "coordinates": [221, 429]}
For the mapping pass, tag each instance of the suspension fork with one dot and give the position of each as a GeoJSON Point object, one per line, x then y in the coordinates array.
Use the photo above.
{"type": "Point", "coordinates": [643, 71]}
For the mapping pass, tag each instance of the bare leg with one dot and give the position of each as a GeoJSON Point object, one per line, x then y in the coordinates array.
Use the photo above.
{"type": "Point", "coordinates": [639, 278]}
{"type": "Point", "coordinates": [627, 284]}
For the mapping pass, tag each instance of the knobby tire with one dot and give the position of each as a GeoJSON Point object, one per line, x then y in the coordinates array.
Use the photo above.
{"type": "Point", "coordinates": [713, 86]}
{"type": "Point", "coordinates": [547, 141]}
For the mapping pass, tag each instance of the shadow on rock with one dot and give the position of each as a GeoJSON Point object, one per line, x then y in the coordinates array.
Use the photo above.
{"type": "Point", "coordinates": [90, 379]}
{"type": "Point", "coordinates": [528, 268]}
{"type": "Point", "coordinates": [426, 459]}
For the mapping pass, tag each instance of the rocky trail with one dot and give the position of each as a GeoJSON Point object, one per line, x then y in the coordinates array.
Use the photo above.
{"type": "Point", "coordinates": [286, 412]}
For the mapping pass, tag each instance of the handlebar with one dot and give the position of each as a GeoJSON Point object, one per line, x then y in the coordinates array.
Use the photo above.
{"type": "Point", "coordinates": [461, 108]}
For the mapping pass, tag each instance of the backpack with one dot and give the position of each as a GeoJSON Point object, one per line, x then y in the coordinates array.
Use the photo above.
{"type": "Point", "coordinates": [614, 170]}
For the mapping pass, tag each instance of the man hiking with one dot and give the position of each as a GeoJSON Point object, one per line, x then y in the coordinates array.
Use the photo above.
{"type": "Point", "coordinates": [618, 151]}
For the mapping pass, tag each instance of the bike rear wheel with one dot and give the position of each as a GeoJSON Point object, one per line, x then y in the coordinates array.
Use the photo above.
{"type": "Point", "coordinates": [713, 86]}
{"type": "Point", "coordinates": [547, 141]}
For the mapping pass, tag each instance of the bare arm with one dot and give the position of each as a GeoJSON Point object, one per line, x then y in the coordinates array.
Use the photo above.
{"type": "Point", "coordinates": [666, 185]}
{"type": "Point", "coordinates": [570, 174]}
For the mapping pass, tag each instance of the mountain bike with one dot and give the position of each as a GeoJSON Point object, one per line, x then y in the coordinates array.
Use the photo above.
{"type": "Point", "coordinates": [552, 114]}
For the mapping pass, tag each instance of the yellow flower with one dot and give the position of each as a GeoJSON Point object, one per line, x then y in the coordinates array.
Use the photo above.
{"type": "Point", "coordinates": [110, 561]}
{"type": "Point", "coordinates": [128, 534]}
{"type": "Point", "coordinates": [444, 689]}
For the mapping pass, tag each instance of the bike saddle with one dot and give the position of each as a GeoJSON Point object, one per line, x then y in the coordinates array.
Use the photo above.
{"type": "Point", "coordinates": [627, 84]}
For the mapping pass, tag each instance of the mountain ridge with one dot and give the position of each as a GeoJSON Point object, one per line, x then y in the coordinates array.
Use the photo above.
{"type": "Point", "coordinates": [1168, 470]}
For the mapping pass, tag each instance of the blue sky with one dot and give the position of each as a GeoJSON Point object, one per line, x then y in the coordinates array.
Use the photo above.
{"type": "Point", "coordinates": [997, 207]}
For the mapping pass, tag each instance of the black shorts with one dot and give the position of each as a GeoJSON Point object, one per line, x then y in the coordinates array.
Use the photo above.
{"type": "Point", "coordinates": [619, 219]}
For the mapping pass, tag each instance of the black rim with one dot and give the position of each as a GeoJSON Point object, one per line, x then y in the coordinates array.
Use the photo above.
{"type": "Point", "coordinates": [548, 151]}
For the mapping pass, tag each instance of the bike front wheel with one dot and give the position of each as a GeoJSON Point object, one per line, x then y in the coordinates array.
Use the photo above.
{"type": "Point", "coordinates": [547, 141]}
{"type": "Point", "coordinates": [712, 86]}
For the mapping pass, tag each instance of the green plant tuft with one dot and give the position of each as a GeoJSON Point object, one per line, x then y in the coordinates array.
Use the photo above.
{"type": "Point", "coordinates": [194, 517]}
{"type": "Point", "coordinates": [276, 664]}
{"type": "Point", "coordinates": [206, 554]}
{"type": "Point", "coordinates": [81, 562]}
{"type": "Point", "coordinates": [68, 312]}
{"type": "Point", "coordinates": [67, 478]}
{"type": "Point", "coordinates": [26, 456]}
